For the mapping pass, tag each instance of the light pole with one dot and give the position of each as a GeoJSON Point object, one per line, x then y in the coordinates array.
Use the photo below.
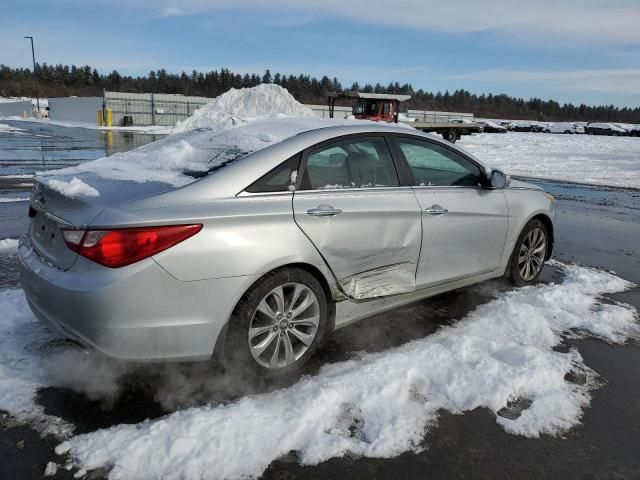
{"type": "Point", "coordinates": [35, 80]}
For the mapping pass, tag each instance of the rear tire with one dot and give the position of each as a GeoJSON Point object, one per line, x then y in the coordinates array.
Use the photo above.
{"type": "Point", "coordinates": [277, 325]}
{"type": "Point", "coordinates": [529, 254]}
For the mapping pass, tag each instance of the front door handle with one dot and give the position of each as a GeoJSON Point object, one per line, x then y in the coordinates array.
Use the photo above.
{"type": "Point", "coordinates": [324, 211]}
{"type": "Point", "coordinates": [436, 210]}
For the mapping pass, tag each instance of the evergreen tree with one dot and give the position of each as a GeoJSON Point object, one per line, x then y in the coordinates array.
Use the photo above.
{"type": "Point", "coordinates": [63, 80]}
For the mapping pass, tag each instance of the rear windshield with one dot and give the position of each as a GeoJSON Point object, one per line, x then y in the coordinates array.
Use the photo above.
{"type": "Point", "coordinates": [219, 158]}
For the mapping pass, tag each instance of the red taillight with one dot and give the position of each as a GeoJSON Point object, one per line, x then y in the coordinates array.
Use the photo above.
{"type": "Point", "coordinates": [124, 246]}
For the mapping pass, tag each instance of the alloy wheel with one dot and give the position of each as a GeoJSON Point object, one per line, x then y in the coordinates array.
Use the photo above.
{"type": "Point", "coordinates": [284, 325]}
{"type": "Point", "coordinates": [532, 253]}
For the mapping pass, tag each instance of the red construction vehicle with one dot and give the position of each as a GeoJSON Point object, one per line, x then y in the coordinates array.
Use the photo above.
{"type": "Point", "coordinates": [384, 107]}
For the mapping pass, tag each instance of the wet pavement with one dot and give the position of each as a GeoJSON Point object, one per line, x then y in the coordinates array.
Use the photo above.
{"type": "Point", "coordinates": [595, 226]}
{"type": "Point", "coordinates": [38, 146]}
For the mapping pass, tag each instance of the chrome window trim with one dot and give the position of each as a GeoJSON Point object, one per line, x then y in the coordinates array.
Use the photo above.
{"type": "Point", "coordinates": [244, 193]}
{"type": "Point", "coordinates": [446, 187]}
{"type": "Point", "coordinates": [355, 190]}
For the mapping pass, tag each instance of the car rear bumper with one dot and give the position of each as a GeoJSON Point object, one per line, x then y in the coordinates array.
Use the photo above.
{"type": "Point", "coordinates": [134, 313]}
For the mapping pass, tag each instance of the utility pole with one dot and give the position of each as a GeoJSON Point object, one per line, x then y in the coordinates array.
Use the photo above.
{"type": "Point", "coordinates": [35, 80]}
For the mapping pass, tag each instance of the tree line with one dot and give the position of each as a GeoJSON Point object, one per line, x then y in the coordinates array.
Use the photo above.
{"type": "Point", "coordinates": [64, 80]}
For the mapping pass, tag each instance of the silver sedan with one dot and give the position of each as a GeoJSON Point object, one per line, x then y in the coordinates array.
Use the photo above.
{"type": "Point", "coordinates": [257, 259]}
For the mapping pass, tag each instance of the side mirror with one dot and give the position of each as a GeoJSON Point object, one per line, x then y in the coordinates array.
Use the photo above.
{"type": "Point", "coordinates": [499, 180]}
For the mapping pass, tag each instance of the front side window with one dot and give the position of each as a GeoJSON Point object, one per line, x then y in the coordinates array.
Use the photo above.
{"type": "Point", "coordinates": [356, 163]}
{"type": "Point", "coordinates": [433, 165]}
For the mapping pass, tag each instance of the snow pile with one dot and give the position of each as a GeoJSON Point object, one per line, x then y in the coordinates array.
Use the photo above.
{"type": "Point", "coordinates": [381, 405]}
{"type": "Point", "coordinates": [72, 188]}
{"type": "Point", "coordinates": [238, 106]}
{"type": "Point", "coordinates": [8, 243]}
{"type": "Point", "coordinates": [591, 159]}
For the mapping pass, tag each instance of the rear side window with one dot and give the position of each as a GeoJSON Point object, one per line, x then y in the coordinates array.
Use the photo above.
{"type": "Point", "coordinates": [280, 179]}
{"type": "Point", "coordinates": [433, 165]}
{"type": "Point", "coordinates": [355, 163]}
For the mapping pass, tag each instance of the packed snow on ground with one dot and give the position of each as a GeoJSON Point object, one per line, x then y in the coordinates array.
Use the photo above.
{"type": "Point", "coordinates": [232, 125]}
{"type": "Point", "coordinates": [22, 344]}
{"type": "Point", "coordinates": [8, 244]}
{"type": "Point", "coordinates": [72, 188]}
{"type": "Point", "coordinates": [44, 102]}
{"type": "Point", "coordinates": [13, 199]}
{"type": "Point", "coordinates": [4, 128]}
{"type": "Point", "coordinates": [382, 404]}
{"type": "Point", "coordinates": [592, 159]}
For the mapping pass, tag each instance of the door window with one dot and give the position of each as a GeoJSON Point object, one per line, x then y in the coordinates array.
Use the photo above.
{"type": "Point", "coordinates": [356, 163]}
{"type": "Point", "coordinates": [433, 165]}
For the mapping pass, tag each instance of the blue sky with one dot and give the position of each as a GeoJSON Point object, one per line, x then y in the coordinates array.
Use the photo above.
{"type": "Point", "coordinates": [574, 50]}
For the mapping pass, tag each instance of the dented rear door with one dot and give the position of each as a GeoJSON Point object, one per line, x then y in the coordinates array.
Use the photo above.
{"type": "Point", "coordinates": [373, 245]}
{"type": "Point", "coordinates": [366, 226]}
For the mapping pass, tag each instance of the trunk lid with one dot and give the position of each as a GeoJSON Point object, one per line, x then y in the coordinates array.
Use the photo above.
{"type": "Point", "coordinates": [74, 201]}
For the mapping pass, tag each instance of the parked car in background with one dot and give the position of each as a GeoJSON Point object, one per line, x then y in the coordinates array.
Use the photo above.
{"type": "Point", "coordinates": [522, 126]}
{"type": "Point", "coordinates": [259, 256]}
{"type": "Point", "coordinates": [635, 131]}
{"type": "Point", "coordinates": [541, 127]}
{"type": "Point", "coordinates": [530, 126]}
{"type": "Point", "coordinates": [508, 124]}
{"type": "Point", "coordinates": [565, 127]}
{"type": "Point", "coordinates": [581, 127]}
{"type": "Point", "coordinates": [491, 127]}
{"type": "Point", "coordinates": [610, 129]}
{"type": "Point", "coordinates": [627, 127]}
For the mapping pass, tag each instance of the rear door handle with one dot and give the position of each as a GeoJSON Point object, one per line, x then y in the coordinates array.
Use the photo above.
{"type": "Point", "coordinates": [436, 210]}
{"type": "Point", "coordinates": [324, 211]}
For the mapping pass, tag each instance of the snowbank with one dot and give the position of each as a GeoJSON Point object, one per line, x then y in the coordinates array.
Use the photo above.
{"type": "Point", "coordinates": [590, 159]}
{"type": "Point", "coordinates": [238, 106]}
{"type": "Point", "coordinates": [381, 405]}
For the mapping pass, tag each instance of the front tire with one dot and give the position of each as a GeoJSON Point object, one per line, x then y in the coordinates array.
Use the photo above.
{"type": "Point", "coordinates": [529, 254]}
{"type": "Point", "coordinates": [278, 324]}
